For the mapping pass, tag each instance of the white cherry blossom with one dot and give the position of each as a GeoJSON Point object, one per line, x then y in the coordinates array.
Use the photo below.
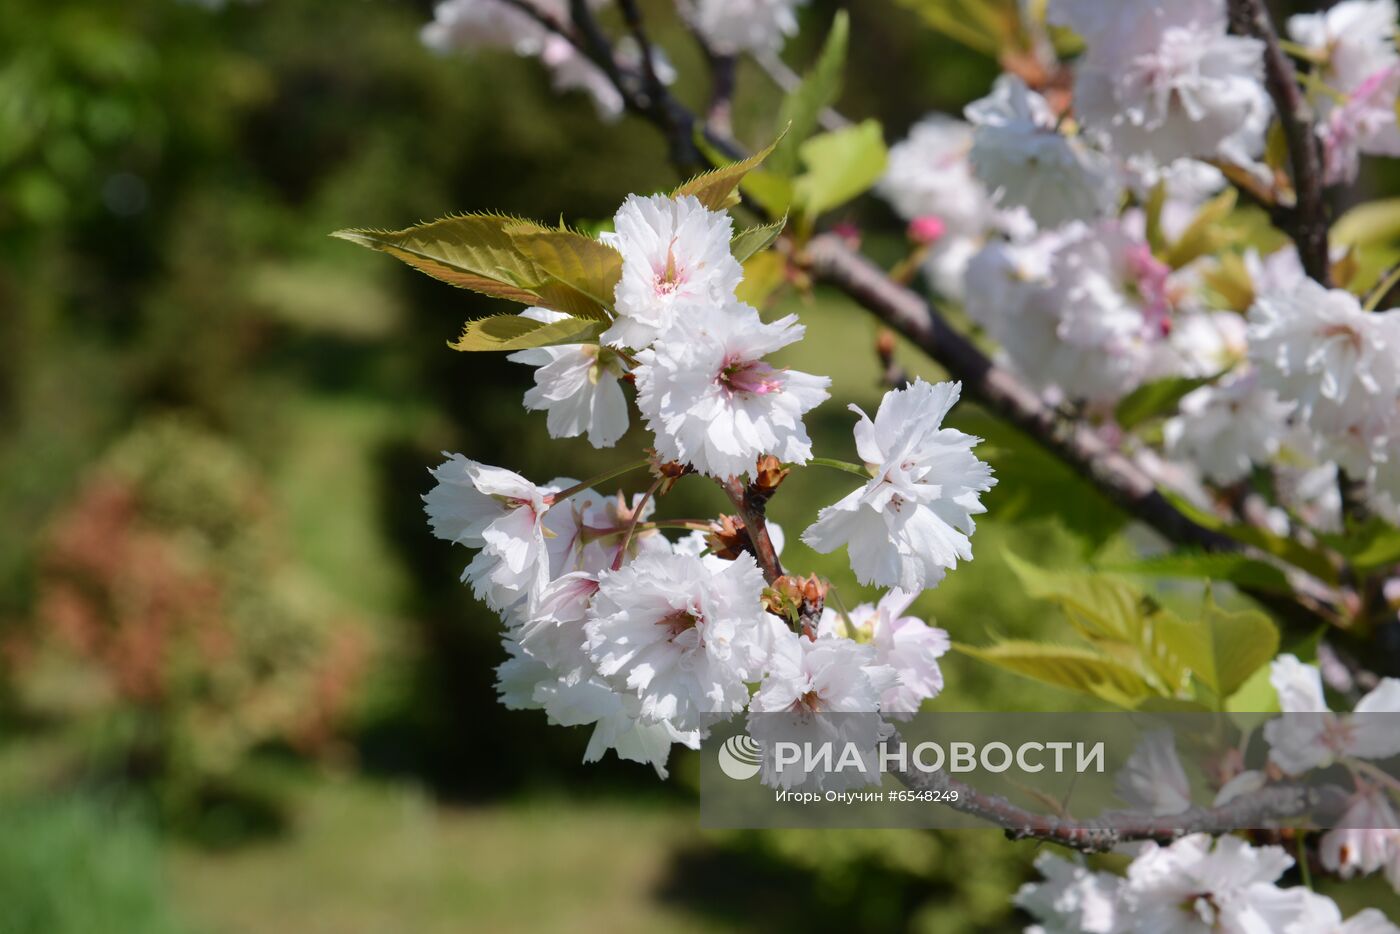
{"type": "Point", "coordinates": [1199, 886]}
{"type": "Point", "coordinates": [715, 403]}
{"type": "Point", "coordinates": [675, 260]}
{"type": "Point", "coordinates": [1314, 737]}
{"type": "Point", "coordinates": [1073, 899]}
{"type": "Point", "coordinates": [905, 643]}
{"type": "Point", "coordinates": [578, 385]}
{"type": "Point", "coordinates": [680, 635]}
{"type": "Point", "coordinates": [911, 522]}
{"type": "Point", "coordinates": [735, 26]}
{"type": "Point", "coordinates": [1023, 158]}
{"type": "Point", "coordinates": [816, 691]}
{"type": "Point", "coordinates": [501, 513]}
{"type": "Point", "coordinates": [1229, 428]}
{"type": "Point", "coordinates": [1164, 78]}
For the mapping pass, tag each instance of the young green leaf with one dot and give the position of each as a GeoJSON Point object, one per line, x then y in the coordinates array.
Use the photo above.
{"type": "Point", "coordinates": [1223, 648]}
{"type": "Point", "coordinates": [1369, 223]}
{"type": "Point", "coordinates": [471, 251]}
{"type": "Point", "coordinates": [512, 332]}
{"type": "Point", "coordinates": [841, 165]}
{"type": "Point", "coordinates": [756, 239]}
{"type": "Point", "coordinates": [716, 189]}
{"type": "Point", "coordinates": [1069, 667]}
{"type": "Point", "coordinates": [1155, 399]}
{"type": "Point", "coordinates": [1205, 233]}
{"type": "Point", "coordinates": [581, 263]}
{"type": "Point", "coordinates": [801, 110]}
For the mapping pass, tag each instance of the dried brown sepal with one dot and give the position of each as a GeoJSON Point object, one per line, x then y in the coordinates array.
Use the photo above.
{"type": "Point", "coordinates": [728, 539]}
{"type": "Point", "coordinates": [768, 476]}
{"type": "Point", "coordinates": [668, 472]}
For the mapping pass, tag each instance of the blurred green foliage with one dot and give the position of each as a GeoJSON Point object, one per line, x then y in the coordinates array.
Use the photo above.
{"type": "Point", "coordinates": [174, 314]}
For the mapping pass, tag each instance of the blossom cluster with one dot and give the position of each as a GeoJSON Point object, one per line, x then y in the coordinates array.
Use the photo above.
{"type": "Point", "coordinates": [729, 27]}
{"type": "Point", "coordinates": [653, 641]}
{"type": "Point", "coordinates": [1202, 884]}
{"type": "Point", "coordinates": [1196, 884]}
{"type": "Point", "coordinates": [1070, 228]}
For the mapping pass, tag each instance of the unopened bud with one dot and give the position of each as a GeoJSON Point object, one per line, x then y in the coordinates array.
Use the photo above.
{"type": "Point", "coordinates": [926, 230]}
{"type": "Point", "coordinates": [769, 475]}
{"type": "Point", "coordinates": [884, 344]}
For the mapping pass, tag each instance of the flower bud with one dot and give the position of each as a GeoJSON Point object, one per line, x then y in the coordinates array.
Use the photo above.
{"type": "Point", "coordinates": [926, 230]}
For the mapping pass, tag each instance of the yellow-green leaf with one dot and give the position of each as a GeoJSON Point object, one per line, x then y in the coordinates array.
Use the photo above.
{"type": "Point", "coordinates": [841, 165]}
{"type": "Point", "coordinates": [716, 189]}
{"type": "Point", "coordinates": [1222, 648]}
{"type": "Point", "coordinates": [756, 239]}
{"type": "Point", "coordinates": [1157, 398]}
{"type": "Point", "coordinates": [471, 251]}
{"type": "Point", "coordinates": [1205, 234]}
{"type": "Point", "coordinates": [764, 274]}
{"type": "Point", "coordinates": [581, 263]}
{"type": "Point", "coordinates": [801, 110]}
{"type": "Point", "coordinates": [1370, 223]}
{"type": "Point", "coordinates": [1069, 667]}
{"type": "Point", "coordinates": [513, 332]}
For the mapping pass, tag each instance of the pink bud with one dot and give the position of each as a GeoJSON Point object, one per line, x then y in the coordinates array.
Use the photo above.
{"type": "Point", "coordinates": [927, 230]}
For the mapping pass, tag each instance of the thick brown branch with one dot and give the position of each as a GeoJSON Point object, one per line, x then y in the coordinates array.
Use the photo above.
{"type": "Point", "coordinates": [1307, 223]}
{"type": "Point", "coordinates": [1271, 805]}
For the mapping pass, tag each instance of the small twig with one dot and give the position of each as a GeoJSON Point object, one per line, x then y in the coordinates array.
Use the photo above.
{"type": "Point", "coordinates": [636, 517]}
{"type": "Point", "coordinates": [756, 526]}
{"type": "Point", "coordinates": [1307, 223]}
{"type": "Point", "coordinates": [633, 17]}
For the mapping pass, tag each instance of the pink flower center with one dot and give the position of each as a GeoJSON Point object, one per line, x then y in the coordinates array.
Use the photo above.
{"type": "Point", "coordinates": [678, 623]}
{"type": "Point", "coordinates": [751, 376]}
{"type": "Point", "coordinates": [1149, 282]}
{"type": "Point", "coordinates": [671, 278]}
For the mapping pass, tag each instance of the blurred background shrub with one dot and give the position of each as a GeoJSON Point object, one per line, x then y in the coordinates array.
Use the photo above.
{"type": "Point", "coordinates": [240, 685]}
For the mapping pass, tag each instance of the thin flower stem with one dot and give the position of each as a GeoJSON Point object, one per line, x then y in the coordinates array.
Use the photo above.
{"type": "Point", "coordinates": [636, 516]}
{"type": "Point", "coordinates": [594, 481]}
{"type": "Point", "coordinates": [694, 525]}
{"type": "Point", "coordinates": [1376, 774]}
{"type": "Point", "coordinates": [847, 466]}
{"type": "Point", "coordinates": [1383, 287]}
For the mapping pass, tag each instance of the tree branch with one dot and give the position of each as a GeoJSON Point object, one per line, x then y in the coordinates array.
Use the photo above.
{"type": "Point", "coordinates": [1307, 222]}
{"type": "Point", "coordinates": [1275, 803]}
{"type": "Point", "coordinates": [755, 525]}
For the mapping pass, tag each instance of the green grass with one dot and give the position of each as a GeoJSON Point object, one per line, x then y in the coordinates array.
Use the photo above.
{"type": "Point", "coordinates": [77, 866]}
{"type": "Point", "coordinates": [366, 858]}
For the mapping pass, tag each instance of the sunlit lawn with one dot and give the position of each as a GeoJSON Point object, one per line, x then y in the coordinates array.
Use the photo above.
{"type": "Point", "coordinates": [364, 858]}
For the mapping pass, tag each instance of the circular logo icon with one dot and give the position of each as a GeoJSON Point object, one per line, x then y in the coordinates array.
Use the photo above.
{"type": "Point", "coordinates": [739, 757]}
